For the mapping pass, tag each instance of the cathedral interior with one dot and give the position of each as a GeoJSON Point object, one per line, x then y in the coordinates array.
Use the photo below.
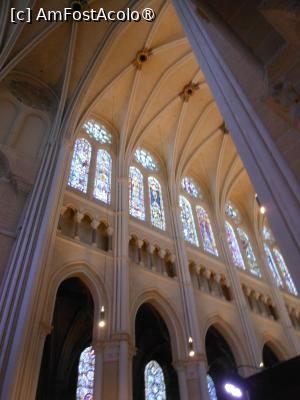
{"type": "Point", "coordinates": [149, 201]}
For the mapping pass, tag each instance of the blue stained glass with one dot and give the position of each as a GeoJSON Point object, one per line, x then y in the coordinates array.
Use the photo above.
{"type": "Point", "coordinates": [254, 268]}
{"type": "Point", "coordinates": [285, 272]}
{"type": "Point", "coordinates": [190, 187]}
{"type": "Point", "coordinates": [232, 212]}
{"type": "Point", "coordinates": [267, 234]}
{"type": "Point", "coordinates": [156, 203]}
{"type": "Point", "coordinates": [80, 165]}
{"type": "Point", "coordinates": [155, 388]}
{"type": "Point", "coordinates": [273, 267]}
{"type": "Point", "coordinates": [97, 132]}
{"type": "Point", "coordinates": [206, 231]}
{"type": "Point", "coordinates": [86, 372]}
{"type": "Point", "coordinates": [144, 158]}
{"type": "Point", "coordinates": [187, 219]}
{"type": "Point", "coordinates": [212, 394]}
{"type": "Point", "coordinates": [234, 246]}
{"type": "Point", "coordinates": [136, 193]}
{"type": "Point", "coordinates": [102, 185]}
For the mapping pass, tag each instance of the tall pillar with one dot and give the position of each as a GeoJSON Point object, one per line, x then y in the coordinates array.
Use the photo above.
{"type": "Point", "coordinates": [249, 333]}
{"type": "Point", "coordinates": [228, 69]}
{"type": "Point", "coordinates": [195, 375]}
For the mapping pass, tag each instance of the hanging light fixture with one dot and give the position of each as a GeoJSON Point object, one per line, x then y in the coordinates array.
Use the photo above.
{"type": "Point", "coordinates": [102, 322]}
{"type": "Point", "coordinates": [262, 209]}
{"type": "Point", "coordinates": [191, 347]}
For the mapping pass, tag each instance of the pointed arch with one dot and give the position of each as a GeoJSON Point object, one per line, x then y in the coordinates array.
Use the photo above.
{"type": "Point", "coordinates": [156, 204]}
{"type": "Point", "coordinates": [102, 183]}
{"type": "Point", "coordinates": [272, 266]}
{"type": "Point", "coordinates": [155, 388]}
{"type": "Point", "coordinates": [80, 165]}
{"type": "Point", "coordinates": [206, 231]}
{"type": "Point", "coordinates": [188, 223]}
{"type": "Point", "coordinates": [285, 272]}
{"type": "Point", "coordinates": [233, 245]}
{"type": "Point", "coordinates": [86, 373]}
{"type": "Point", "coordinates": [136, 193]}
{"type": "Point", "coordinates": [251, 259]}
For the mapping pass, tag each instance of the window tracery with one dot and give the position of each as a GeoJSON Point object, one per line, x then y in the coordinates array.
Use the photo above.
{"type": "Point", "coordinates": [234, 246]}
{"type": "Point", "coordinates": [86, 372]}
{"type": "Point", "coordinates": [156, 203]}
{"type": "Point", "coordinates": [98, 132]}
{"type": "Point", "coordinates": [285, 272]}
{"type": "Point", "coordinates": [80, 165]}
{"type": "Point", "coordinates": [144, 158]}
{"type": "Point", "coordinates": [206, 231]}
{"type": "Point", "coordinates": [136, 194]}
{"type": "Point", "coordinates": [155, 388]}
{"type": "Point", "coordinates": [251, 259]}
{"type": "Point", "coordinates": [190, 187]}
{"type": "Point", "coordinates": [273, 267]}
{"type": "Point", "coordinates": [232, 212]}
{"type": "Point", "coordinates": [187, 219]}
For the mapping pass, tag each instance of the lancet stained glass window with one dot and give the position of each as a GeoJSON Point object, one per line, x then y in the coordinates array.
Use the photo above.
{"type": "Point", "coordinates": [144, 158]}
{"type": "Point", "coordinates": [267, 235]}
{"type": "Point", "coordinates": [212, 394]}
{"type": "Point", "coordinates": [97, 132]}
{"type": "Point", "coordinates": [206, 231]}
{"type": "Point", "coordinates": [86, 372]}
{"type": "Point", "coordinates": [251, 259]}
{"type": "Point", "coordinates": [273, 267]}
{"type": "Point", "coordinates": [187, 219]}
{"type": "Point", "coordinates": [155, 388]}
{"type": "Point", "coordinates": [234, 246]}
{"type": "Point", "coordinates": [285, 272]}
{"type": "Point", "coordinates": [190, 187]}
{"type": "Point", "coordinates": [232, 212]}
{"type": "Point", "coordinates": [102, 184]}
{"type": "Point", "coordinates": [136, 193]}
{"type": "Point", "coordinates": [80, 165]}
{"type": "Point", "coordinates": [156, 203]}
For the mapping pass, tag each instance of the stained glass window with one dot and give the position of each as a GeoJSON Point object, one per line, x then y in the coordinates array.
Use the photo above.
{"type": "Point", "coordinates": [144, 158]}
{"type": "Point", "coordinates": [97, 132]}
{"type": "Point", "coordinates": [156, 203]}
{"type": "Point", "coordinates": [234, 246]}
{"type": "Point", "coordinates": [155, 388]}
{"type": "Point", "coordinates": [267, 234]}
{"type": "Point", "coordinates": [232, 212]}
{"type": "Point", "coordinates": [136, 193]}
{"type": "Point", "coordinates": [80, 165]}
{"type": "Point", "coordinates": [251, 259]}
{"type": "Point", "coordinates": [207, 235]}
{"type": "Point", "coordinates": [86, 371]}
{"type": "Point", "coordinates": [285, 272]}
{"type": "Point", "coordinates": [102, 184]}
{"type": "Point", "coordinates": [190, 187]}
{"type": "Point", "coordinates": [212, 394]}
{"type": "Point", "coordinates": [272, 266]}
{"type": "Point", "coordinates": [187, 219]}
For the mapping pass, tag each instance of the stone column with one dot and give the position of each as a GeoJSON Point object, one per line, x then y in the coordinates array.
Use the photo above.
{"type": "Point", "coordinates": [94, 225]}
{"type": "Point", "coordinates": [110, 233]}
{"type": "Point", "coordinates": [78, 218]}
{"type": "Point", "coordinates": [251, 342]}
{"type": "Point", "coordinates": [229, 70]}
{"type": "Point", "coordinates": [196, 381]}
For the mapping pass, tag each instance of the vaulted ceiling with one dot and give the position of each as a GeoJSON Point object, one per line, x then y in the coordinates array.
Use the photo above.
{"type": "Point", "coordinates": [90, 67]}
